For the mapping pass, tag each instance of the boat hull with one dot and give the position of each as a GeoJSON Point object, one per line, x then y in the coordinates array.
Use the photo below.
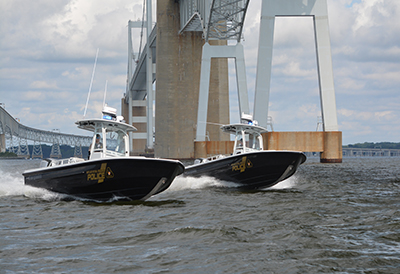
{"type": "Point", "coordinates": [254, 170]}
{"type": "Point", "coordinates": [107, 179]}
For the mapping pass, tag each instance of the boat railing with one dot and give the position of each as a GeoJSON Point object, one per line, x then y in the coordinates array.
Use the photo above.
{"type": "Point", "coordinates": [240, 150]}
{"type": "Point", "coordinates": [106, 153]}
{"type": "Point", "coordinates": [209, 159]}
{"type": "Point", "coordinates": [248, 149]}
{"type": "Point", "coordinates": [110, 153]}
{"type": "Point", "coordinates": [71, 160]}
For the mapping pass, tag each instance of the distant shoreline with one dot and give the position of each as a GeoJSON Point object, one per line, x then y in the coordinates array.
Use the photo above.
{"type": "Point", "coordinates": [382, 145]}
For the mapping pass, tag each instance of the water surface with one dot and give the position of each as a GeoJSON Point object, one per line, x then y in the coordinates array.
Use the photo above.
{"type": "Point", "coordinates": [328, 218]}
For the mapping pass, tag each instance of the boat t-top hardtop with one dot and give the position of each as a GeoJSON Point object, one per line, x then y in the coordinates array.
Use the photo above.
{"type": "Point", "coordinates": [247, 137]}
{"type": "Point", "coordinates": [109, 173]}
{"type": "Point", "coordinates": [110, 138]}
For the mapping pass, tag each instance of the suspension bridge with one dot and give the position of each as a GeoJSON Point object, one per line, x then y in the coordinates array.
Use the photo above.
{"type": "Point", "coordinates": [14, 137]}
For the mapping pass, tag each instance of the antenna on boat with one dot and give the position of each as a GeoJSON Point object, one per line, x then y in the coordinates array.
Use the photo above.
{"type": "Point", "coordinates": [215, 124]}
{"type": "Point", "coordinates": [105, 92]}
{"type": "Point", "coordinates": [91, 82]}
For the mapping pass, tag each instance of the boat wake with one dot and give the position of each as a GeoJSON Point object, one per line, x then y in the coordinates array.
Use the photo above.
{"type": "Point", "coordinates": [43, 194]}
{"type": "Point", "coordinates": [182, 183]}
{"type": "Point", "coordinates": [13, 185]}
{"type": "Point", "coordinates": [288, 183]}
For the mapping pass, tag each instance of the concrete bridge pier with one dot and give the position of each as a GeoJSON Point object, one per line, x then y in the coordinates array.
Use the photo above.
{"type": "Point", "coordinates": [328, 143]}
{"type": "Point", "coordinates": [2, 143]}
{"type": "Point", "coordinates": [332, 152]}
{"type": "Point", "coordinates": [177, 86]}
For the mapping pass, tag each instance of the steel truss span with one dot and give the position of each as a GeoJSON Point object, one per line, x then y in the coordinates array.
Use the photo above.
{"type": "Point", "coordinates": [14, 137]}
{"type": "Point", "coordinates": [217, 19]}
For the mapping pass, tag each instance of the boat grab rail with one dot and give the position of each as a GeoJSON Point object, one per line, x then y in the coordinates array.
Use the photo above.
{"type": "Point", "coordinates": [208, 159]}
{"type": "Point", "coordinates": [240, 150]}
{"type": "Point", "coordinates": [114, 153]}
{"type": "Point", "coordinates": [53, 162]}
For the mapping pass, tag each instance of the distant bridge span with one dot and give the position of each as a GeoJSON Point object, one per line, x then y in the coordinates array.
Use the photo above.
{"type": "Point", "coordinates": [14, 138]}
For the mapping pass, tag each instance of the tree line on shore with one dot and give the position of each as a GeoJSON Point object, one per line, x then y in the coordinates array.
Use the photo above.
{"type": "Point", "coordinates": [383, 145]}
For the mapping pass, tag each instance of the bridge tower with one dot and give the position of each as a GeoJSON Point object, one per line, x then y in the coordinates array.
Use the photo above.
{"type": "Point", "coordinates": [331, 142]}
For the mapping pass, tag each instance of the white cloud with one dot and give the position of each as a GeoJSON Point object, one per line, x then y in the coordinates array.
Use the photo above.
{"type": "Point", "coordinates": [367, 116]}
{"type": "Point", "coordinates": [33, 96]}
{"type": "Point", "coordinates": [293, 69]}
{"type": "Point", "coordinates": [350, 85]}
{"type": "Point", "coordinates": [43, 85]}
{"type": "Point", "coordinates": [368, 13]}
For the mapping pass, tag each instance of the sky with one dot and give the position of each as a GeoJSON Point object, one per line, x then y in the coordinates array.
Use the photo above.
{"type": "Point", "coordinates": [48, 49]}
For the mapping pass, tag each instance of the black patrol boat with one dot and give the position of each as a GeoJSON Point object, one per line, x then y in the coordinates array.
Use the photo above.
{"type": "Point", "coordinates": [109, 174]}
{"type": "Point", "coordinates": [249, 166]}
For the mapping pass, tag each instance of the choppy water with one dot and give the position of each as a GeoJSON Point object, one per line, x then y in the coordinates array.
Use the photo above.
{"type": "Point", "coordinates": [328, 218]}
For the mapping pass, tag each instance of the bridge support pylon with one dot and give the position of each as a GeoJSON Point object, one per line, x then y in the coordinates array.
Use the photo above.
{"type": "Point", "coordinates": [23, 149]}
{"type": "Point", "coordinates": [2, 143]}
{"type": "Point", "coordinates": [220, 51]}
{"type": "Point", "coordinates": [78, 150]}
{"type": "Point", "coordinates": [37, 151]}
{"type": "Point", "coordinates": [332, 147]}
{"type": "Point", "coordinates": [318, 10]}
{"type": "Point", "coordinates": [177, 87]}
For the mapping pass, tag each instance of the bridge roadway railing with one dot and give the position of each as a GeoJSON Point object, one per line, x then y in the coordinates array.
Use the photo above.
{"type": "Point", "coordinates": [10, 129]}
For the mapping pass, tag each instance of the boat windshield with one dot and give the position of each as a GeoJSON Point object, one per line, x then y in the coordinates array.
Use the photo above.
{"type": "Point", "coordinates": [253, 141]}
{"type": "Point", "coordinates": [115, 142]}
{"type": "Point", "coordinates": [246, 142]}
